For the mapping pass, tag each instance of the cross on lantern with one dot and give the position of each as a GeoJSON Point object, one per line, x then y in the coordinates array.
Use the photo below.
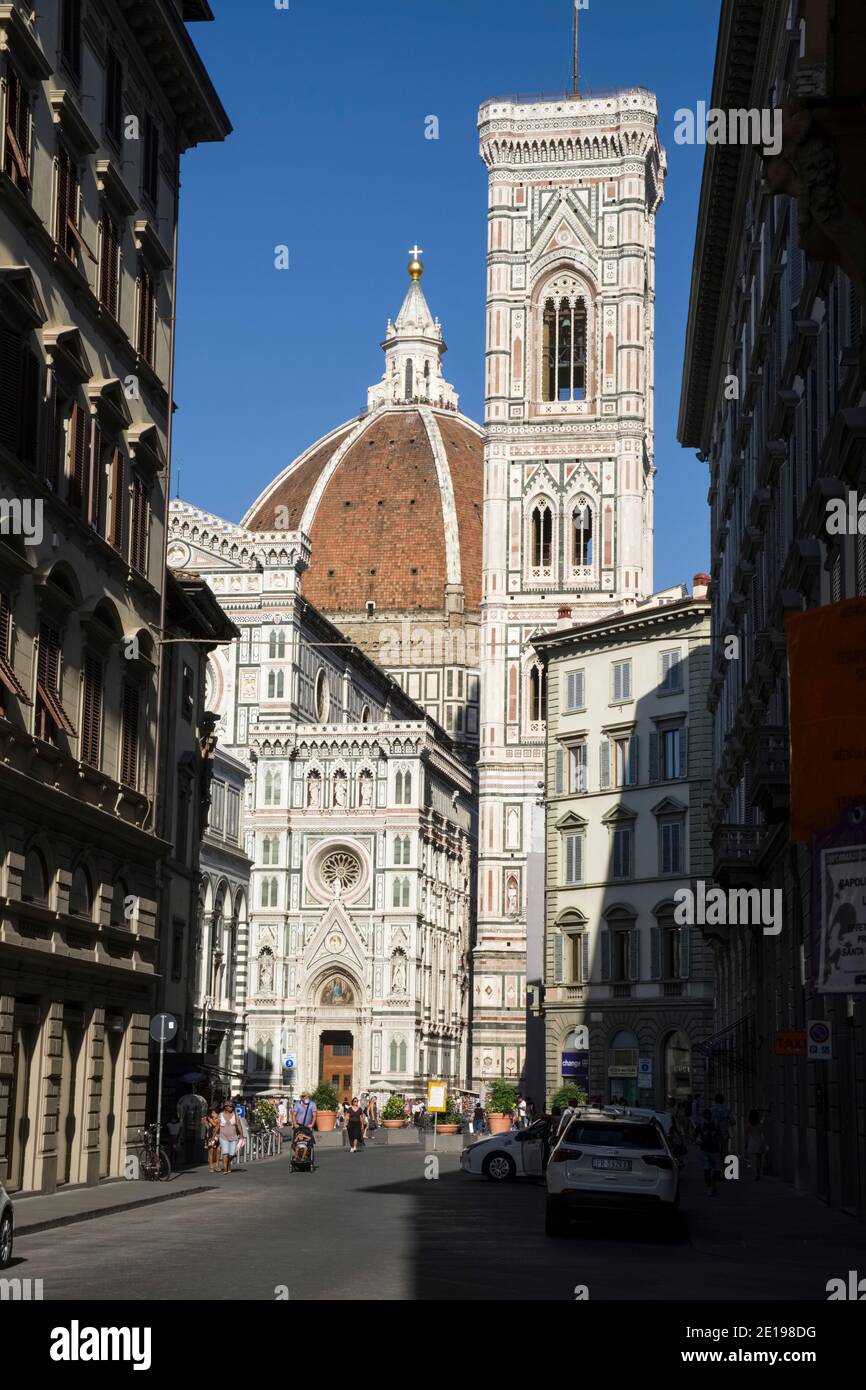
{"type": "Point", "coordinates": [416, 251]}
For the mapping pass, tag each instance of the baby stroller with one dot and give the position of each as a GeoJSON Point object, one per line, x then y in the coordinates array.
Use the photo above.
{"type": "Point", "coordinates": [303, 1151]}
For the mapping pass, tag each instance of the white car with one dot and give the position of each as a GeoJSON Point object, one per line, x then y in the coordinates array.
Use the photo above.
{"type": "Point", "coordinates": [519, 1153]}
{"type": "Point", "coordinates": [7, 1229]}
{"type": "Point", "coordinates": [615, 1161]}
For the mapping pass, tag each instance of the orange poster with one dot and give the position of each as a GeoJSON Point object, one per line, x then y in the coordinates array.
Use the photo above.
{"type": "Point", "coordinates": [827, 671]}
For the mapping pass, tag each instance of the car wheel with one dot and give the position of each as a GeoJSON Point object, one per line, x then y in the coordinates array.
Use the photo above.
{"type": "Point", "coordinates": [499, 1168]}
{"type": "Point", "coordinates": [555, 1221]}
{"type": "Point", "coordinates": [5, 1241]}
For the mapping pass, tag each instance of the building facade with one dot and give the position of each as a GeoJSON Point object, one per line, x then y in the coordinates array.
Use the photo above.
{"type": "Point", "coordinates": [574, 187]}
{"type": "Point", "coordinates": [773, 399]}
{"type": "Point", "coordinates": [97, 103]}
{"type": "Point", "coordinates": [359, 824]}
{"type": "Point", "coordinates": [628, 989]}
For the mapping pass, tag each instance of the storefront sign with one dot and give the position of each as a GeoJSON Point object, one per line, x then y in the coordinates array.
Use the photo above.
{"type": "Point", "coordinates": [622, 1071]}
{"type": "Point", "coordinates": [819, 1040]}
{"type": "Point", "coordinates": [575, 1067]}
{"type": "Point", "coordinates": [791, 1043]}
{"type": "Point", "coordinates": [841, 871]}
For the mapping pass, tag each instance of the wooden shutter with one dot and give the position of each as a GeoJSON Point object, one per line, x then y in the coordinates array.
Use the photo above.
{"type": "Point", "coordinates": [655, 953]}
{"type": "Point", "coordinates": [91, 711]}
{"type": "Point", "coordinates": [684, 751]}
{"type": "Point", "coordinates": [16, 163]}
{"type": "Point", "coordinates": [560, 778]}
{"type": "Point", "coordinates": [63, 181]}
{"type": "Point", "coordinates": [633, 765]}
{"type": "Point", "coordinates": [48, 664]}
{"type": "Point", "coordinates": [118, 495]}
{"type": "Point", "coordinates": [77, 457]}
{"type": "Point", "coordinates": [605, 953]}
{"type": "Point", "coordinates": [146, 313]}
{"type": "Point", "coordinates": [685, 952]}
{"type": "Point", "coordinates": [654, 756]}
{"type": "Point", "coordinates": [558, 957]}
{"type": "Point", "coordinates": [574, 695]}
{"type": "Point", "coordinates": [31, 392]}
{"type": "Point", "coordinates": [573, 858]}
{"type": "Point", "coordinates": [634, 953]}
{"type": "Point", "coordinates": [8, 678]}
{"type": "Point", "coordinates": [109, 249]}
{"type": "Point", "coordinates": [129, 735]}
{"type": "Point", "coordinates": [584, 958]}
{"type": "Point", "coordinates": [604, 763]}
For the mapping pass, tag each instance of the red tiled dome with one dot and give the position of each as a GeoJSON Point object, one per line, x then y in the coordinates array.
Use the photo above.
{"type": "Point", "coordinates": [386, 521]}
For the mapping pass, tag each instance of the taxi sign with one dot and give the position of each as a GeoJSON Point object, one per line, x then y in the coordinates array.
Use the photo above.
{"type": "Point", "coordinates": [437, 1093]}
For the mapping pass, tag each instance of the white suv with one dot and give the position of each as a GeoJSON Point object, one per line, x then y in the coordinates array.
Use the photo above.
{"type": "Point", "coordinates": [611, 1160]}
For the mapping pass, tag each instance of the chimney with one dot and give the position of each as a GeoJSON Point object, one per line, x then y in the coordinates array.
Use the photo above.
{"type": "Point", "coordinates": [563, 617]}
{"type": "Point", "coordinates": [701, 586]}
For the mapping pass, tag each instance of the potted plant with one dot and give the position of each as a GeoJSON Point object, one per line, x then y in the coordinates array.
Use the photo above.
{"type": "Point", "coordinates": [326, 1103]}
{"type": "Point", "coordinates": [394, 1114]}
{"type": "Point", "coordinates": [568, 1094]}
{"type": "Point", "coordinates": [450, 1121]}
{"type": "Point", "coordinates": [501, 1105]}
{"type": "Point", "coordinates": [265, 1114]}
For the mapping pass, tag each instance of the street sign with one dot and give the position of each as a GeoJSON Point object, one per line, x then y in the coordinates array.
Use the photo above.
{"type": "Point", "coordinates": [790, 1043]}
{"type": "Point", "coordinates": [163, 1027]}
{"type": "Point", "coordinates": [819, 1040]}
{"type": "Point", "coordinates": [436, 1097]}
{"type": "Point", "coordinates": [645, 1073]}
{"type": "Point", "coordinates": [290, 1061]}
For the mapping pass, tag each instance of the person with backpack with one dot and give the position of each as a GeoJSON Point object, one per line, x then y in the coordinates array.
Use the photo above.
{"type": "Point", "coordinates": [709, 1142]}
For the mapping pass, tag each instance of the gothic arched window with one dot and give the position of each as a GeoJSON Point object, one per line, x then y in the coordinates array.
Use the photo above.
{"type": "Point", "coordinates": [273, 787]}
{"type": "Point", "coordinates": [409, 380]}
{"type": "Point", "coordinates": [276, 685]}
{"type": "Point", "coordinates": [542, 534]}
{"type": "Point", "coordinates": [564, 349]}
{"type": "Point", "coordinates": [538, 693]}
{"type": "Point", "coordinates": [582, 534]}
{"type": "Point", "coordinates": [277, 645]}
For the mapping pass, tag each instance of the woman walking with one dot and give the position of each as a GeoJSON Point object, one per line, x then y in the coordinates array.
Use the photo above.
{"type": "Point", "coordinates": [212, 1139]}
{"type": "Point", "coordinates": [230, 1132]}
{"type": "Point", "coordinates": [356, 1125]}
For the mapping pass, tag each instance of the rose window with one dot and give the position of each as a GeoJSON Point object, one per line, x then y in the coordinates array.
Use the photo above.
{"type": "Point", "coordinates": [340, 871]}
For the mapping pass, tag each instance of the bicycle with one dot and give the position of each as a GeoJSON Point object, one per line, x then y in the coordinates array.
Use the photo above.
{"type": "Point", "coordinates": [154, 1162]}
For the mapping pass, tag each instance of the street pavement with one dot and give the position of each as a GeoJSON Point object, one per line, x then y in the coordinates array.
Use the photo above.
{"type": "Point", "coordinates": [372, 1226]}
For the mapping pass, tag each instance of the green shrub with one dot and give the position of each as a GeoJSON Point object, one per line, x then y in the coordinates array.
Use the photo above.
{"type": "Point", "coordinates": [501, 1098]}
{"type": "Point", "coordinates": [568, 1094]}
{"type": "Point", "coordinates": [266, 1113]}
{"type": "Point", "coordinates": [325, 1097]}
{"type": "Point", "coordinates": [450, 1115]}
{"type": "Point", "coordinates": [394, 1109]}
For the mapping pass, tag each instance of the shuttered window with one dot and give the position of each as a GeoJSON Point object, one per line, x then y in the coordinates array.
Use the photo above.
{"type": "Point", "coordinates": [670, 671]}
{"type": "Point", "coordinates": [574, 690]}
{"type": "Point", "coordinates": [622, 852]}
{"type": "Point", "coordinates": [9, 682]}
{"type": "Point", "coordinates": [573, 858]}
{"type": "Point", "coordinates": [16, 157]}
{"type": "Point", "coordinates": [91, 711]}
{"type": "Point", "coordinates": [146, 313]}
{"type": "Point", "coordinates": [113, 118]}
{"type": "Point", "coordinates": [129, 735]}
{"type": "Point", "coordinates": [20, 391]}
{"type": "Point", "coordinates": [70, 35]}
{"type": "Point", "coordinates": [109, 265]}
{"type": "Point", "coordinates": [117, 496]}
{"type": "Point", "coordinates": [577, 768]}
{"type": "Point", "coordinates": [50, 714]}
{"type": "Point", "coordinates": [76, 458]}
{"type": "Point", "coordinates": [150, 171]}
{"type": "Point", "coordinates": [620, 681]}
{"type": "Point", "coordinates": [671, 847]}
{"type": "Point", "coordinates": [67, 203]}
{"type": "Point", "coordinates": [139, 526]}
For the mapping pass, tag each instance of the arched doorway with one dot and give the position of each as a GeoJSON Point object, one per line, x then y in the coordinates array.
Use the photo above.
{"type": "Point", "coordinates": [336, 1040]}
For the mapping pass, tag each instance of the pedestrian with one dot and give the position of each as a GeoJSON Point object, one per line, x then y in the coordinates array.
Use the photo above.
{"type": "Point", "coordinates": [722, 1120]}
{"type": "Point", "coordinates": [230, 1132]}
{"type": "Point", "coordinates": [212, 1139]}
{"type": "Point", "coordinates": [372, 1114]}
{"type": "Point", "coordinates": [521, 1112]}
{"type": "Point", "coordinates": [356, 1125]}
{"type": "Point", "coordinates": [710, 1145]}
{"type": "Point", "coordinates": [282, 1113]}
{"type": "Point", "coordinates": [696, 1114]}
{"type": "Point", "coordinates": [304, 1112]}
{"type": "Point", "coordinates": [478, 1120]}
{"type": "Point", "coordinates": [756, 1143]}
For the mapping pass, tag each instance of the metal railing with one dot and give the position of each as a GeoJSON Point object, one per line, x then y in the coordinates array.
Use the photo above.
{"type": "Point", "coordinates": [262, 1143]}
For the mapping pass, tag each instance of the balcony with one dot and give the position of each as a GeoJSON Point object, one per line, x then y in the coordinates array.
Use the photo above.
{"type": "Point", "coordinates": [736, 849]}
{"type": "Point", "coordinates": [771, 774]}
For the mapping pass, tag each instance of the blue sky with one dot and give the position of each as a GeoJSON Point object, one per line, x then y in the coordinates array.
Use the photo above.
{"type": "Point", "coordinates": [328, 156]}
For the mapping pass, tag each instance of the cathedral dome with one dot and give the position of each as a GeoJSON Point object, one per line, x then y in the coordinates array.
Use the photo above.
{"type": "Point", "coordinates": [391, 501]}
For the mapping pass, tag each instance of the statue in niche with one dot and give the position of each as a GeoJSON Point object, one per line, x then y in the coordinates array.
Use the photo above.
{"type": "Point", "coordinates": [341, 793]}
{"type": "Point", "coordinates": [366, 789]}
{"type": "Point", "coordinates": [511, 906]}
{"type": "Point", "coordinates": [314, 790]}
{"type": "Point", "coordinates": [266, 973]}
{"type": "Point", "coordinates": [398, 974]}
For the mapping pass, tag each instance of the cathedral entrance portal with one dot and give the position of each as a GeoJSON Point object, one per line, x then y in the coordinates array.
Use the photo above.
{"type": "Point", "coordinates": [336, 1051]}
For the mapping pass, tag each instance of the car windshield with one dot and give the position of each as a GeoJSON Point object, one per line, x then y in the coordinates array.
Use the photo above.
{"type": "Point", "coordinates": [613, 1135]}
{"type": "Point", "coordinates": [536, 1130]}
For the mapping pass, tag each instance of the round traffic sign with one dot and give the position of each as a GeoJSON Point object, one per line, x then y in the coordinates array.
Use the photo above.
{"type": "Point", "coordinates": [290, 1062]}
{"type": "Point", "coordinates": [163, 1027]}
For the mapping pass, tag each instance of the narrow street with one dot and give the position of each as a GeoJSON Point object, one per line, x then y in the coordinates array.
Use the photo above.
{"type": "Point", "coordinates": [372, 1227]}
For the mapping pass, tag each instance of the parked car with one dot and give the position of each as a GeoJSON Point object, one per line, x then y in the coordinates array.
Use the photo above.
{"type": "Point", "coordinates": [519, 1153]}
{"type": "Point", "coordinates": [7, 1229]}
{"type": "Point", "coordinates": [612, 1161]}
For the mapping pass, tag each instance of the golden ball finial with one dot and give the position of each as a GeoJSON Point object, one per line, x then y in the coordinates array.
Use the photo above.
{"type": "Point", "coordinates": [416, 269]}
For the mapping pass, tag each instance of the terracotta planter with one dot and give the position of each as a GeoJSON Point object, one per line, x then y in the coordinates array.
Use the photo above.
{"type": "Point", "coordinates": [393, 1124]}
{"type": "Point", "coordinates": [447, 1129]}
{"type": "Point", "coordinates": [499, 1124]}
{"type": "Point", "coordinates": [325, 1120]}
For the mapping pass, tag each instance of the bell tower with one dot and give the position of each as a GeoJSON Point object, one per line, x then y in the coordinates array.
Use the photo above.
{"type": "Point", "coordinates": [573, 190]}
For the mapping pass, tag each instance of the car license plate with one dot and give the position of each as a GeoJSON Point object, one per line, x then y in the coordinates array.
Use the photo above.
{"type": "Point", "coordinates": [621, 1164]}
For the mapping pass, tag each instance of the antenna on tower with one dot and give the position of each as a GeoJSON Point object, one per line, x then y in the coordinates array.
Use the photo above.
{"type": "Point", "coordinates": [574, 69]}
